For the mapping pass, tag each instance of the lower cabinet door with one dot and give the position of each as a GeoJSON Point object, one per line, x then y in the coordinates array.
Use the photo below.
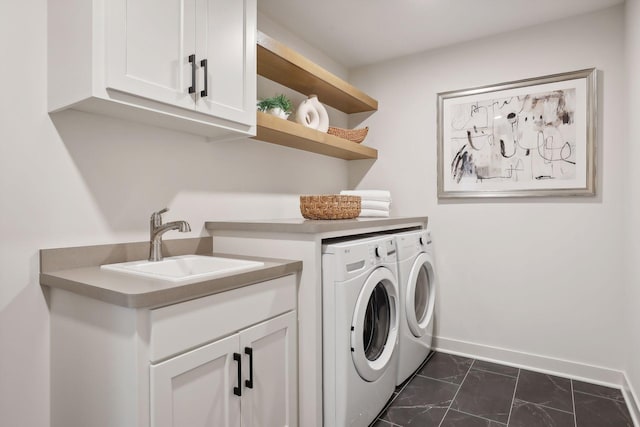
{"type": "Point", "coordinates": [270, 371]}
{"type": "Point", "coordinates": [196, 389]}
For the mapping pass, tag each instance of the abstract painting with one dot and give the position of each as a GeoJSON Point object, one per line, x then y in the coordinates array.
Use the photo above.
{"type": "Point", "coordinates": [533, 137]}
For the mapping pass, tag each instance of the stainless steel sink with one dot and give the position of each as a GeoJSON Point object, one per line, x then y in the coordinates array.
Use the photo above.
{"type": "Point", "coordinates": [184, 267]}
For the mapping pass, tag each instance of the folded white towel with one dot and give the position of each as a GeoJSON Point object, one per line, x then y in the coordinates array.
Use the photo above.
{"type": "Point", "coordinates": [378, 195]}
{"type": "Point", "coordinates": [373, 213]}
{"type": "Point", "coordinates": [375, 204]}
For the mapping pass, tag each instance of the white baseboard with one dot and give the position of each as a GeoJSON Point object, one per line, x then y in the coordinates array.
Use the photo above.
{"type": "Point", "coordinates": [548, 365]}
{"type": "Point", "coordinates": [564, 368]}
{"type": "Point", "coordinates": [631, 397]}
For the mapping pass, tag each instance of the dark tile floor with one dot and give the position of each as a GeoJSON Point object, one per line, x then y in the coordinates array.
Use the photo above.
{"type": "Point", "coordinates": [454, 391]}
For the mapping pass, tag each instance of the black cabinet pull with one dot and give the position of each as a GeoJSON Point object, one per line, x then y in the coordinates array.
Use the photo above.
{"type": "Point", "coordinates": [203, 63]}
{"type": "Point", "coordinates": [192, 61]}
{"type": "Point", "coordinates": [238, 390]}
{"type": "Point", "coordinates": [249, 351]}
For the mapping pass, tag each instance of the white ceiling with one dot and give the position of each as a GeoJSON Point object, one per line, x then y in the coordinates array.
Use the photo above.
{"type": "Point", "coordinates": [360, 32]}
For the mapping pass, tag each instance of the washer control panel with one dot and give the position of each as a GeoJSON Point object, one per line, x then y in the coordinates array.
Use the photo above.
{"type": "Point", "coordinates": [354, 257]}
{"type": "Point", "coordinates": [384, 249]}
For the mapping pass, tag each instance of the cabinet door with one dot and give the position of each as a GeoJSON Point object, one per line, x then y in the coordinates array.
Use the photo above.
{"type": "Point", "coordinates": [226, 38]}
{"type": "Point", "coordinates": [195, 389]}
{"type": "Point", "coordinates": [271, 401]}
{"type": "Point", "coordinates": [148, 47]}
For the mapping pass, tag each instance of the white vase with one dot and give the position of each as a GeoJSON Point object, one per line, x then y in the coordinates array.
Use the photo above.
{"type": "Point", "coordinates": [311, 113]}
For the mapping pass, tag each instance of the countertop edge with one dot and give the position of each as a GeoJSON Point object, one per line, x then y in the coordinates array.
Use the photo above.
{"type": "Point", "coordinates": [51, 280]}
{"type": "Point", "coordinates": [181, 292]}
{"type": "Point", "coordinates": [315, 226]}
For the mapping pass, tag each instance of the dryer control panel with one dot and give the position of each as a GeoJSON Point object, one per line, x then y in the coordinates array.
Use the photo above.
{"type": "Point", "coordinates": [425, 238]}
{"type": "Point", "coordinates": [413, 242]}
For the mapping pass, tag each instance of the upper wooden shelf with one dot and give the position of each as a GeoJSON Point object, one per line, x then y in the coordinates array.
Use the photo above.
{"type": "Point", "coordinates": [290, 134]}
{"type": "Point", "coordinates": [283, 65]}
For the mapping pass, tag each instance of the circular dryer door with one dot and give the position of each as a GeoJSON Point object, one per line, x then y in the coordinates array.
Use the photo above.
{"type": "Point", "coordinates": [420, 296]}
{"type": "Point", "coordinates": [374, 329]}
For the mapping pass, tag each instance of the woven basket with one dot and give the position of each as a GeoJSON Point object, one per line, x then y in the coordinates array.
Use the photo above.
{"type": "Point", "coordinates": [353, 135]}
{"type": "Point", "coordinates": [332, 206]}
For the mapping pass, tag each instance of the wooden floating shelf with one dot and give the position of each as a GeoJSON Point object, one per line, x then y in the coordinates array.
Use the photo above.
{"type": "Point", "coordinates": [289, 134]}
{"type": "Point", "coordinates": [283, 65]}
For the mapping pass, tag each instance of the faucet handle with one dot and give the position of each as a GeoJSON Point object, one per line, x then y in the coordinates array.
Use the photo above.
{"type": "Point", "coordinates": [156, 217]}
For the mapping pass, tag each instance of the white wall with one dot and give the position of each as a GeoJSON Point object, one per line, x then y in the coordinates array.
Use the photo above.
{"type": "Point", "coordinates": [535, 276]}
{"type": "Point", "coordinates": [632, 296]}
{"type": "Point", "coordinates": [82, 179]}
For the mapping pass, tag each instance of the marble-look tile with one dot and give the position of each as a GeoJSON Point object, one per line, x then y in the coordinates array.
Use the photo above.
{"type": "Point", "coordinates": [547, 390]}
{"type": "Point", "coordinates": [446, 367]}
{"type": "Point", "coordinates": [594, 411]}
{"type": "Point", "coordinates": [597, 390]}
{"type": "Point", "coordinates": [405, 382]}
{"type": "Point", "coordinates": [419, 416]}
{"type": "Point", "coordinates": [459, 419]}
{"type": "Point", "coordinates": [526, 414]}
{"type": "Point", "coordinates": [425, 391]}
{"type": "Point", "coordinates": [382, 423]}
{"type": "Point", "coordinates": [481, 365]}
{"type": "Point", "coordinates": [423, 402]}
{"type": "Point", "coordinates": [486, 395]}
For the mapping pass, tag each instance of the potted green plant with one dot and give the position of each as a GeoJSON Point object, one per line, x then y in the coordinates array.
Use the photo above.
{"type": "Point", "coordinates": [278, 105]}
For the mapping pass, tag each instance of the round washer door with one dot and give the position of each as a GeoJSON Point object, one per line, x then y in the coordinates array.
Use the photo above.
{"type": "Point", "coordinates": [420, 296]}
{"type": "Point", "coordinates": [374, 330]}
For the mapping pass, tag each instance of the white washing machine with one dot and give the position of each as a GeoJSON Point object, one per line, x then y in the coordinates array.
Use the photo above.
{"type": "Point", "coordinates": [416, 279]}
{"type": "Point", "coordinates": [360, 329]}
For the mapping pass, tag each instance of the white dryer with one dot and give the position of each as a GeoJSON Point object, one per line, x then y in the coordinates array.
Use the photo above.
{"type": "Point", "coordinates": [416, 279]}
{"type": "Point", "coordinates": [360, 329]}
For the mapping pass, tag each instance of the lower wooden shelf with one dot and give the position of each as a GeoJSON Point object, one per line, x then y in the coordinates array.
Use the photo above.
{"type": "Point", "coordinates": [290, 134]}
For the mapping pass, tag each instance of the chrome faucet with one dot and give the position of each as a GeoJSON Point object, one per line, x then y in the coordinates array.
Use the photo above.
{"type": "Point", "coordinates": [157, 229]}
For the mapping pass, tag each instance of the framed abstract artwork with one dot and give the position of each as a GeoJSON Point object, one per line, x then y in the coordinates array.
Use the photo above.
{"type": "Point", "coordinates": [533, 137]}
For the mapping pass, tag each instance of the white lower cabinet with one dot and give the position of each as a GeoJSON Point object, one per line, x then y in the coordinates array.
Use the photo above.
{"type": "Point", "coordinates": [222, 360]}
{"type": "Point", "coordinates": [270, 396]}
{"type": "Point", "coordinates": [195, 389]}
{"type": "Point", "coordinates": [246, 379]}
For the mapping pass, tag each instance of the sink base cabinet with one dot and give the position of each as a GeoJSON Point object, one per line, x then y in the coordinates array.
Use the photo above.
{"type": "Point", "coordinates": [270, 354]}
{"type": "Point", "coordinates": [208, 373]}
{"type": "Point", "coordinates": [258, 364]}
{"type": "Point", "coordinates": [111, 367]}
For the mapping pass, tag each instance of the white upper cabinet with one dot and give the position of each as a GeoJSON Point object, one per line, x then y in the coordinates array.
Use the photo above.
{"type": "Point", "coordinates": [230, 52]}
{"type": "Point", "coordinates": [149, 43]}
{"type": "Point", "coordinates": [183, 64]}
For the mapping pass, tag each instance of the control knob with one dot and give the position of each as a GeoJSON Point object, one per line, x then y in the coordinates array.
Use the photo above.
{"type": "Point", "coordinates": [381, 251]}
